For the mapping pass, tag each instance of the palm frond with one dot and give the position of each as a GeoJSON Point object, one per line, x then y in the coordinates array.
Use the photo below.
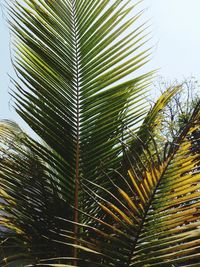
{"type": "Point", "coordinates": [32, 197]}
{"type": "Point", "coordinates": [71, 56]}
{"type": "Point", "coordinates": [170, 230]}
{"type": "Point", "coordinates": [154, 210]}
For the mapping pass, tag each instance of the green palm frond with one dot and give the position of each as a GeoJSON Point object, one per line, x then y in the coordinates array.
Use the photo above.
{"type": "Point", "coordinates": [31, 198]}
{"type": "Point", "coordinates": [71, 56]}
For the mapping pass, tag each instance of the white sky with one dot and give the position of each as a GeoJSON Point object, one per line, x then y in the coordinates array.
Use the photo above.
{"type": "Point", "coordinates": [176, 40]}
{"type": "Point", "coordinates": [176, 32]}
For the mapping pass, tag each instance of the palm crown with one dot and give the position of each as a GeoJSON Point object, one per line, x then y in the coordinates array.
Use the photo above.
{"type": "Point", "coordinates": [97, 190]}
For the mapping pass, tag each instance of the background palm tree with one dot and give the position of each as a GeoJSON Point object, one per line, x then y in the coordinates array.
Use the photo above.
{"type": "Point", "coordinates": [96, 191]}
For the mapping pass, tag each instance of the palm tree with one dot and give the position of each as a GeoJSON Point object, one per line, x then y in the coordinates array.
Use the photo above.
{"type": "Point", "coordinates": [96, 190]}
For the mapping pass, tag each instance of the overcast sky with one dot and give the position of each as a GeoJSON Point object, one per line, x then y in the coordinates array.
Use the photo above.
{"type": "Point", "coordinates": [176, 39]}
{"type": "Point", "coordinates": [176, 33]}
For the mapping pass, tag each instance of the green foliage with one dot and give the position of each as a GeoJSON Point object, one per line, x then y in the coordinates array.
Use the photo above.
{"type": "Point", "coordinates": [177, 112]}
{"type": "Point", "coordinates": [96, 191]}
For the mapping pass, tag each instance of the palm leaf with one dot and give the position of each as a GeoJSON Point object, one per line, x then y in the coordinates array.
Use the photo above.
{"type": "Point", "coordinates": [173, 211]}
{"type": "Point", "coordinates": [71, 62]}
{"type": "Point", "coordinates": [32, 196]}
{"type": "Point", "coordinates": [154, 210]}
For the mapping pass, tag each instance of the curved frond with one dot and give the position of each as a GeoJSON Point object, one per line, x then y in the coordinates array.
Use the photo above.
{"type": "Point", "coordinates": [154, 210]}
{"type": "Point", "coordinates": [32, 197]}
{"type": "Point", "coordinates": [170, 232]}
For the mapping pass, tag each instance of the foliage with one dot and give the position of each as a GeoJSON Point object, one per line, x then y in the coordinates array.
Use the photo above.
{"type": "Point", "coordinates": [178, 110]}
{"type": "Point", "coordinates": [96, 191]}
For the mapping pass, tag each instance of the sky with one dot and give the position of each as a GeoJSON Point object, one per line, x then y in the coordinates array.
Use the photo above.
{"type": "Point", "coordinates": [175, 27]}
{"type": "Point", "coordinates": [176, 35]}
